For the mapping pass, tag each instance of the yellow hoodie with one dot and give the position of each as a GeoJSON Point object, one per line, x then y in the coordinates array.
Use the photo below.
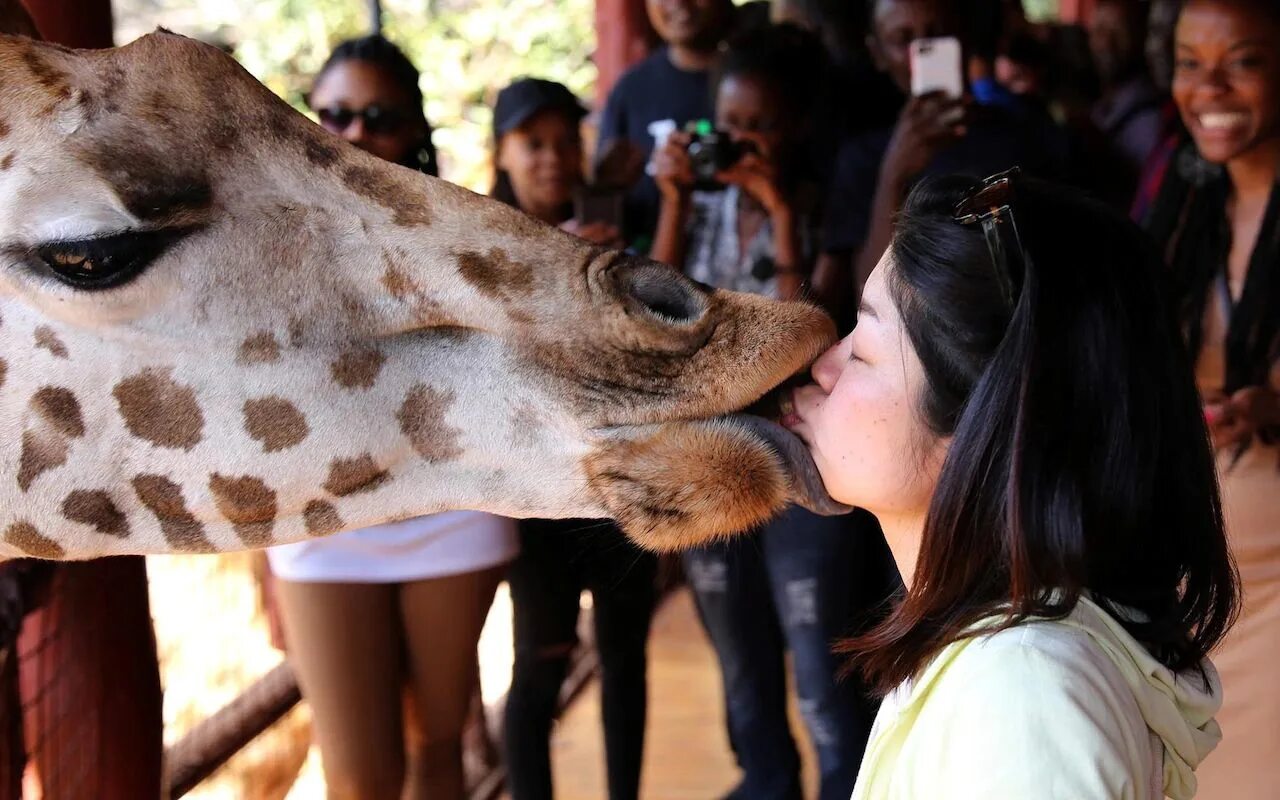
{"type": "Point", "coordinates": [1070, 709]}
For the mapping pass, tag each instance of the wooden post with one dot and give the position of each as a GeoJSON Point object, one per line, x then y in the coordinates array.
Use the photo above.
{"type": "Point", "coordinates": [623, 37]}
{"type": "Point", "coordinates": [74, 23]}
{"type": "Point", "coordinates": [1077, 11]}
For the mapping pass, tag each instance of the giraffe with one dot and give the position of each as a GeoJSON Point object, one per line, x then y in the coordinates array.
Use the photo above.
{"type": "Point", "coordinates": [222, 328]}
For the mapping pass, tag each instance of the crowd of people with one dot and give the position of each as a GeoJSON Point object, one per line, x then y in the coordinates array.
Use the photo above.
{"type": "Point", "coordinates": [824, 159]}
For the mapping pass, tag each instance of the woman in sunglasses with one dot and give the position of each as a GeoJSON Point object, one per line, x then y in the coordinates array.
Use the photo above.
{"type": "Point", "coordinates": [367, 93]}
{"type": "Point", "coordinates": [1217, 217]}
{"type": "Point", "coordinates": [375, 616]}
{"type": "Point", "coordinates": [1016, 408]}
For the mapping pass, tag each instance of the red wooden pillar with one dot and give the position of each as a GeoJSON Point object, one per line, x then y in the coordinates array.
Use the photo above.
{"type": "Point", "coordinates": [623, 37]}
{"type": "Point", "coordinates": [1075, 10]}
{"type": "Point", "coordinates": [74, 23]}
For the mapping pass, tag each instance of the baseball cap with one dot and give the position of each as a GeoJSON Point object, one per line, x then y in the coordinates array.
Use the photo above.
{"type": "Point", "coordinates": [529, 96]}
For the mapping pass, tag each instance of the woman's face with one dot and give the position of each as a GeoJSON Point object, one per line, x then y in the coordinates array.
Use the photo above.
{"type": "Point", "coordinates": [1226, 78]}
{"type": "Point", "coordinates": [543, 157]}
{"type": "Point", "coordinates": [861, 419]}
{"type": "Point", "coordinates": [750, 109]}
{"type": "Point", "coordinates": [391, 132]}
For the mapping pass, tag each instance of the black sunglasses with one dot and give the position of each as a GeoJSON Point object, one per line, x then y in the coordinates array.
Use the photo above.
{"type": "Point", "coordinates": [991, 205]}
{"type": "Point", "coordinates": [377, 120]}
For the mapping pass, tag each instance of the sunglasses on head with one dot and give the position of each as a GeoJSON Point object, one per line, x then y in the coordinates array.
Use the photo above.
{"type": "Point", "coordinates": [990, 205]}
{"type": "Point", "coordinates": [377, 120]}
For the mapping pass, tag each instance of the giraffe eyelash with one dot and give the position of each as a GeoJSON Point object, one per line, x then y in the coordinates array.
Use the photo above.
{"type": "Point", "coordinates": [104, 262]}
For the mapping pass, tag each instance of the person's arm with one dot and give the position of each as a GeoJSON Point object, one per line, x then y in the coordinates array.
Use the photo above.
{"type": "Point", "coordinates": [830, 283]}
{"type": "Point", "coordinates": [891, 191]}
{"type": "Point", "coordinates": [613, 122]}
{"type": "Point", "coordinates": [673, 174]}
{"type": "Point", "coordinates": [756, 173]}
{"type": "Point", "coordinates": [927, 125]}
{"type": "Point", "coordinates": [787, 256]}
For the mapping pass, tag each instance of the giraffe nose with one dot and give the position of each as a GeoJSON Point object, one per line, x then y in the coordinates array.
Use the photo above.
{"type": "Point", "coordinates": [666, 293]}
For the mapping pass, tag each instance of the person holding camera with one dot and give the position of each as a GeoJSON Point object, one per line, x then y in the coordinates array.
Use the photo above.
{"type": "Point", "coordinates": [538, 161]}
{"type": "Point", "coordinates": [737, 214]}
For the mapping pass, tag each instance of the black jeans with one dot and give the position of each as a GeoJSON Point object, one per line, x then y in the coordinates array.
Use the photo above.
{"type": "Point", "coordinates": [799, 584]}
{"type": "Point", "coordinates": [558, 559]}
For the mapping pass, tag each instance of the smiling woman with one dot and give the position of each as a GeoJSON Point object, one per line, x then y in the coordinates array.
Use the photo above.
{"type": "Point", "coordinates": [1218, 218]}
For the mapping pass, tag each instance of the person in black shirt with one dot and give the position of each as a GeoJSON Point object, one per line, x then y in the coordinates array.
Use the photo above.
{"type": "Point", "coordinates": [660, 94]}
{"type": "Point", "coordinates": [933, 135]}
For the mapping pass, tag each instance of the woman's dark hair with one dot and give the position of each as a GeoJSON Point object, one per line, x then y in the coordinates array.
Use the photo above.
{"type": "Point", "coordinates": [786, 57]}
{"type": "Point", "coordinates": [1079, 461]}
{"type": "Point", "coordinates": [1189, 220]}
{"type": "Point", "coordinates": [375, 49]}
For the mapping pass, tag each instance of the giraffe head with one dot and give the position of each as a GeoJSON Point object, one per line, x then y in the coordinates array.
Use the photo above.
{"type": "Point", "coordinates": [221, 327]}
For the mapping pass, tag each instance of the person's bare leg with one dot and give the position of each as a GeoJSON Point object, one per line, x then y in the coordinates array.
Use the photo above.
{"type": "Point", "coordinates": [344, 642]}
{"type": "Point", "coordinates": [442, 622]}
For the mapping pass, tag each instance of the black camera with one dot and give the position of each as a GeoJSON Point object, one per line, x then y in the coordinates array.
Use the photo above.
{"type": "Point", "coordinates": [712, 151]}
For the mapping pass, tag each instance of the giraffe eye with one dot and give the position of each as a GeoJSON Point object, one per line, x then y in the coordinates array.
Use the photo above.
{"type": "Point", "coordinates": [104, 262]}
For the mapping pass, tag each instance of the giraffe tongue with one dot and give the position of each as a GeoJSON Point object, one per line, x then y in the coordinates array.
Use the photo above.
{"type": "Point", "coordinates": [807, 489]}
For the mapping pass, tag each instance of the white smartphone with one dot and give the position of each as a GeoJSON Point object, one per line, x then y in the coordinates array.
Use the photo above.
{"type": "Point", "coordinates": [936, 67]}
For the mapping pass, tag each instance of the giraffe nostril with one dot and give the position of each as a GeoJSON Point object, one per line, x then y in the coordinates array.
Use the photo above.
{"type": "Point", "coordinates": [667, 294]}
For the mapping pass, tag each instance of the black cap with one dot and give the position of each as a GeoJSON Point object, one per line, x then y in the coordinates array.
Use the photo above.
{"type": "Point", "coordinates": [528, 96]}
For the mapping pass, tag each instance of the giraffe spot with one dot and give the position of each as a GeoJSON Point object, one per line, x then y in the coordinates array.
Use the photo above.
{"type": "Point", "coordinates": [261, 348]}
{"type": "Point", "coordinates": [526, 426]}
{"type": "Point", "coordinates": [275, 422]}
{"type": "Point", "coordinates": [249, 504]}
{"type": "Point", "coordinates": [59, 407]}
{"type": "Point", "coordinates": [159, 410]}
{"type": "Point", "coordinates": [404, 199]}
{"type": "Point", "coordinates": [358, 368]}
{"type": "Point", "coordinates": [295, 331]}
{"type": "Point", "coordinates": [41, 452]}
{"type": "Point", "coordinates": [321, 153]}
{"type": "Point", "coordinates": [25, 537]}
{"type": "Point", "coordinates": [321, 518]}
{"type": "Point", "coordinates": [4, 129]}
{"type": "Point", "coordinates": [163, 498]}
{"type": "Point", "coordinates": [51, 78]}
{"type": "Point", "coordinates": [349, 476]}
{"type": "Point", "coordinates": [7, 162]}
{"type": "Point", "coordinates": [47, 339]}
{"type": "Point", "coordinates": [421, 419]}
{"type": "Point", "coordinates": [4, 370]}
{"type": "Point", "coordinates": [495, 275]}
{"type": "Point", "coordinates": [397, 281]}
{"type": "Point", "coordinates": [97, 510]}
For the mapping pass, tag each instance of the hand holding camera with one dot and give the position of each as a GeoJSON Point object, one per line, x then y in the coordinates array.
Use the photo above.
{"type": "Point", "coordinates": [704, 157]}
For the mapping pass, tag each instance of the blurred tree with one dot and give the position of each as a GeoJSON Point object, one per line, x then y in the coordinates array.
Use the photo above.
{"type": "Point", "coordinates": [466, 49]}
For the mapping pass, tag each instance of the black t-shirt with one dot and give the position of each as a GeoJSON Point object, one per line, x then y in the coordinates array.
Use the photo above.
{"type": "Point", "coordinates": [997, 140]}
{"type": "Point", "coordinates": [652, 90]}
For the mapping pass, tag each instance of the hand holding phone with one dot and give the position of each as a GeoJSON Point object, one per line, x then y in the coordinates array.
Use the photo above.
{"type": "Point", "coordinates": [936, 66]}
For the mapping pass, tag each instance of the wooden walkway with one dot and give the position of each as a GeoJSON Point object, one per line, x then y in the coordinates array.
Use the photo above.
{"type": "Point", "coordinates": [687, 754]}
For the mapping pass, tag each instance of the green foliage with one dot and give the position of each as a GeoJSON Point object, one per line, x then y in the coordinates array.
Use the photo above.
{"type": "Point", "coordinates": [1041, 10]}
{"type": "Point", "coordinates": [466, 49]}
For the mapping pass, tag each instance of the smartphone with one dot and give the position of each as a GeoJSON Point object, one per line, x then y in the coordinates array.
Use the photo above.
{"type": "Point", "coordinates": [598, 204]}
{"type": "Point", "coordinates": [936, 66]}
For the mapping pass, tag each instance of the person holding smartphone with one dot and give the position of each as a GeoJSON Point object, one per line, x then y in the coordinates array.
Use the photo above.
{"type": "Point", "coordinates": [538, 169]}
{"type": "Point", "coordinates": [791, 585]}
{"type": "Point", "coordinates": [938, 131]}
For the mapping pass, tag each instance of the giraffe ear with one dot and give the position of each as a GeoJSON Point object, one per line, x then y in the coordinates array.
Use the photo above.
{"type": "Point", "coordinates": [15, 20]}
